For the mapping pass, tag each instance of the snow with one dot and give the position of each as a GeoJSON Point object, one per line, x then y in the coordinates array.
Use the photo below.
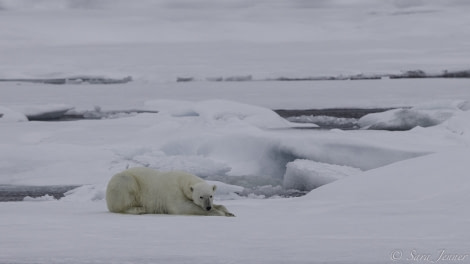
{"type": "Point", "coordinates": [389, 194]}
{"type": "Point", "coordinates": [415, 180]}
{"type": "Point", "coordinates": [161, 40]}
{"type": "Point", "coordinates": [330, 225]}
{"type": "Point", "coordinates": [404, 193]}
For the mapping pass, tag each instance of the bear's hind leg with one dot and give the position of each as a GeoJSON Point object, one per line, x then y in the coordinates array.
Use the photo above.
{"type": "Point", "coordinates": [122, 195]}
{"type": "Point", "coordinates": [135, 210]}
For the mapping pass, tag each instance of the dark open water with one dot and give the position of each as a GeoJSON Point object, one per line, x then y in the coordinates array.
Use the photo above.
{"type": "Point", "coordinates": [11, 193]}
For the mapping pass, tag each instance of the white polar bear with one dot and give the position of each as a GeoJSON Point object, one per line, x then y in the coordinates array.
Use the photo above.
{"type": "Point", "coordinates": [146, 191]}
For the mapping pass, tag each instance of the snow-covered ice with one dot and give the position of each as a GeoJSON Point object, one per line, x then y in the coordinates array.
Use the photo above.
{"type": "Point", "coordinates": [9, 115]}
{"type": "Point", "coordinates": [326, 121]}
{"type": "Point", "coordinates": [400, 200]}
{"type": "Point", "coordinates": [221, 111]}
{"type": "Point", "coordinates": [306, 175]}
{"type": "Point", "coordinates": [422, 115]}
{"type": "Point", "coordinates": [391, 194]}
{"type": "Point", "coordinates": [160, 40]}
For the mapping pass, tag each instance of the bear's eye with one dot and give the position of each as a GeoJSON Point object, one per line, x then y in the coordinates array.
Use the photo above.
{"type": "Point", "coordinates": [201, 197]}
{"type": "Point", "coordinates": [211, 196]}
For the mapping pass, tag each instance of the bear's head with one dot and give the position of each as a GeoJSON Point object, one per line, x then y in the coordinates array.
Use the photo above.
{"type": "Point", "coordinates": [202, 195]}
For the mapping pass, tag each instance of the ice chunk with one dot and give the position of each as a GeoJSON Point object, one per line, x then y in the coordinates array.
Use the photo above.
{"type": "Point", "coordinates": [425, 115]}
{"type": "Point", "coordinates": [306, 175]}
{"type": "Point", "coordinates": [223, 111]}
{"type": "Point", "coordinates": [402, 119]}
{"type": "Point", "coordinates": [438, 176]}
{"type": "Point", "coordinates": [9, 115]}
{"type": "Point", "coordinates": [326, 121]}
{"type": "Point", "coordinates": [46, 197]}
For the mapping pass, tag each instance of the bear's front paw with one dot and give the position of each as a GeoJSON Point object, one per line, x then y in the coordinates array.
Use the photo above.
{"type": "Point", "coordinates": [229, 214]}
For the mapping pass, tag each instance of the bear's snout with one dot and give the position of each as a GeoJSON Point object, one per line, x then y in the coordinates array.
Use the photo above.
{"type": "Point", "coordinates": [208, 208]}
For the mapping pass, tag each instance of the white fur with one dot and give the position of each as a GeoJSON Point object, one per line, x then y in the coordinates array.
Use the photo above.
{"type": "Point", "coordinates": [147, 191]}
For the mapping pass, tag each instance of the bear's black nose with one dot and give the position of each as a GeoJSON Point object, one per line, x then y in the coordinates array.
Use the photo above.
{"type": "Point", "coordinates": [208, 208]}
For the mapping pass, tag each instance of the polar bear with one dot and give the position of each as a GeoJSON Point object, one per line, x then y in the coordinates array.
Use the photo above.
{"type": "Point", "coordinates": [143, 190]}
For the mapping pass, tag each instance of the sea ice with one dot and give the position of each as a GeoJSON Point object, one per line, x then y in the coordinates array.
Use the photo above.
{"type": "Point", "coordinates": [426, 115]}
{"type": "Point", "coordinates": [9, 115]}
{"type": "Point", "coordinates": [306, 175]}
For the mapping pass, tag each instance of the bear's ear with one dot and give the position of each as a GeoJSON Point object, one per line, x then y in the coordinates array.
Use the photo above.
{"type": "Point", "coordinates": [191, 188]}
{"type": "Point", "coordinates": [214, 187]}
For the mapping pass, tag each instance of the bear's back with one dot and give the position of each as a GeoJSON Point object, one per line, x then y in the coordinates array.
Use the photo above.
{"type": "Point", "coordinates": [151, 175]}
{"type": "Point", "coordinates": [163, 185]}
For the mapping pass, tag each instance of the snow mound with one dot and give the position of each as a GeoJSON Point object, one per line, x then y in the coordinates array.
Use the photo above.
{"type": "Point", "coordinates": [403, 119]}
{"type": "Point", "coordinates": [434, 176]}
{"type": "Point", "coordinates": [306, 175]}
{"type": "Point", "coordinates": [427, 115]}
{"type": "Point", "coordinates": [440, 177]}
{"type": "Point", "coordinates": [219, 112]}
{"type": "Point", "coordinates": [9, 115]}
